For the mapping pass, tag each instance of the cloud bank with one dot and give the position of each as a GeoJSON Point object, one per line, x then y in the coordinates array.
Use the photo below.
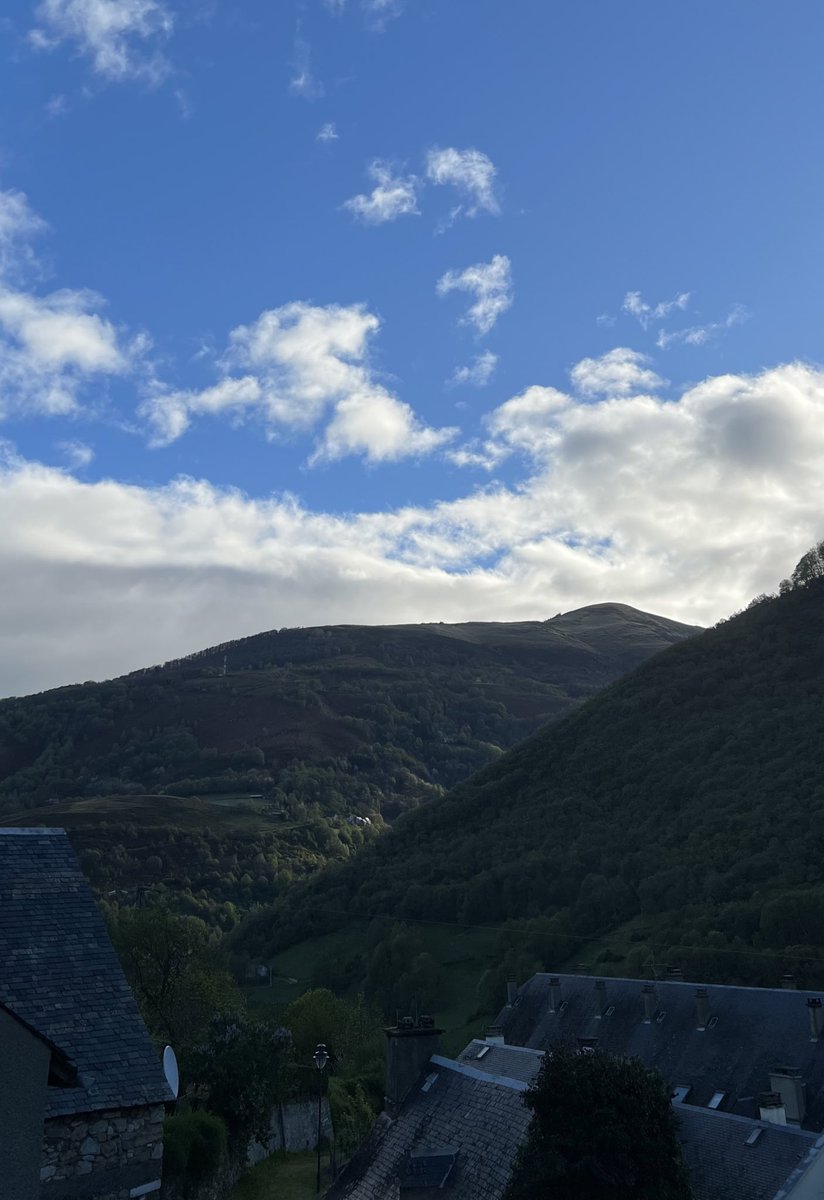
{"type": "Point", "coordinates": [686, 506]}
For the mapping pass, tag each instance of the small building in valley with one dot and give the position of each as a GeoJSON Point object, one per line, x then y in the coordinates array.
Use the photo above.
{"type": "Point", "coordinates": [82, 1091]}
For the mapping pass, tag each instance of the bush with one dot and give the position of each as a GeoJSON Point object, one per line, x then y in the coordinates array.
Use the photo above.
{"type": "Point", "coordinates": [194, 1146]}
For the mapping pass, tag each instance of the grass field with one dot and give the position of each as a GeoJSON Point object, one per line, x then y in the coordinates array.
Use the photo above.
{"type": "Point", "coordinates": [462, 953]}
{"type": "Point", "coordinates": [281, 1177]}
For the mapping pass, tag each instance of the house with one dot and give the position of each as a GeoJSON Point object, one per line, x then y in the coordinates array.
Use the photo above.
{"type": "Point", "coordinates": [720, 1047]}
{"type": "Point", "coordinates": [83, 1090]}
{"type": "Point", "coordinates": [746, 1067]}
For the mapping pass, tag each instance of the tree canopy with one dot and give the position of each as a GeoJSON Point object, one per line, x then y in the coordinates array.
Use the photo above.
{"type": "Point", "coordinates": [602, 1127]}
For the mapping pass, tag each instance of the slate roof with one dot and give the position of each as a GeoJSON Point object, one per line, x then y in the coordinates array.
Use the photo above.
{"type": "Point", "coordinates": [457, 1108]}
{"type": "Point", "coordinates": [512, 1062]}
{"type": "Point", "coordinates": [757, 1029]}
{"type": "Point", "coordinates": [722, 1164]}
{"type": "Point", "coordinates": [59, 974]}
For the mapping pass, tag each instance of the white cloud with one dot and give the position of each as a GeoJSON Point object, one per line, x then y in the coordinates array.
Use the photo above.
{"type": "Point", "coordinates": [76, 454]}
{"type": "Point", "coordinates": [470, 171]}
{"type": "Point", "coordinates": [52, 346]}
{"type": "Point", "coordinates": [303, 81]}
{"type": "Point", "coordinates": [327, 133]}
{"type": "Point", "coordinates": [121, 37]}
{"type": "Point", "coordinates": [645, 314]}
{"type": "Point", "coordinates": [617, 373]}
{"type": "Point", "coordinates": [699, 335]}
{"type": "Point", "coordinates": [304, 366]}
{"type": "Point", "coordinates": [491, 285]}
{"type": "Point", "coordinates": [393, 196]}
{"type": "Point", "coordinates": [478, 372]}
{"type": "Point", "coordinates": [687, 507]}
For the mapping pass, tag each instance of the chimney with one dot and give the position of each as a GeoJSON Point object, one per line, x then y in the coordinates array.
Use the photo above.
{"type": "Point", "coordinates": [788, 982]}
{"type": "Point", "coordinates": [702, 1007]}
{"type": "Point", "coordinates": [511, 992]}
{"type": "Point", "coordinates": [601, 996]}
{"type": "Point", "coordinates": [771, 1108]}
{"type": "Point", "coordinates": [650, 1002]}
{"type": "Point", "coordinates": [791, 1088]}
{"type": "Point", "coordinates": [554, 993]}
{"type": "Point", "coordinates": [587, 1044]}
{"type": "Point", "coordinates": [816, 1018]}
{"type": "Point", "coordinates": [675, 974]}
{"type": "Point", "coordinates": [494, 1036]}
{"type": "Point", "coordinates": [409, 1048]}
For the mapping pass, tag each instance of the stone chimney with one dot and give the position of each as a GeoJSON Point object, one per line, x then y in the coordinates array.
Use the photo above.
{"type": "Point", "coordinates": [511, 992]}
{"type": "Point", "coordinates": [409, 1047]}
{"type": "Point", "coordinates": [816, 1018]}
{"type": "Point", "coordinates": [792, 1089]}
{"type": "Point", "coordinates": [788, 982]}
{"type": "Point", "coordinates": [554, 993]}
{"type": "Point", "coordinates": [650, 1002]}
{"type": "Point", "coordinates": [702, 1007]}
{"type": "Point", "coordinates": [601, 997]}
{"type": "Point", "coordinates": [771, 1108]}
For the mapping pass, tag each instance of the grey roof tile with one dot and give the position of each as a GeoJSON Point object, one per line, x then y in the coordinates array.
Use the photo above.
{"type": "Point", "coordinates": [757, 1029]}
{"type": "Point", "coordinates": [60, 974]}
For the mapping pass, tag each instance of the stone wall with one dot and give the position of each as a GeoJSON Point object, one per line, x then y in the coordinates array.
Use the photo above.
{"type": "Point", "coordinates": [293, 1127]}
{"type": "Point", "coordinates": [110, 1155]}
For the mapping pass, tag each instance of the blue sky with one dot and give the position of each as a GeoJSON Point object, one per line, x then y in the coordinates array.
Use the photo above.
{"type": "Point", "coordinates": [362, 310]}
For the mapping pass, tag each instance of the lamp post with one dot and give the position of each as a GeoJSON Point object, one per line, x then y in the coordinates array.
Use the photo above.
{"type": "Point", "coordinates": [320, 1058]}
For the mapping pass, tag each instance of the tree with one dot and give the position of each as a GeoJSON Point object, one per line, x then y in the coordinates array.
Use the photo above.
{"type": "Point", "coordinates": [241, 1070]}
{"type": "Point", "coordinates": [170, 964]}
{"type": "Point", "coordinates": [601, 1126]}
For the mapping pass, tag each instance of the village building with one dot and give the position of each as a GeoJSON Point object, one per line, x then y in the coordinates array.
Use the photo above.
{"type": "Point", "coordinates": [746, 1066]}
{"type": "Point", "coordinates": [82, 1091]}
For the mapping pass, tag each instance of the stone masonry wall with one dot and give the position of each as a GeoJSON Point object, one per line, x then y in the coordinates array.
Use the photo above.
{"type": "Point", "coordinates": [106, 1155]}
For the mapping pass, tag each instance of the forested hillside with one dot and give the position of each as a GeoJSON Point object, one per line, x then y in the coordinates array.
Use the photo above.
{"type": "Point", "coordinates": [677, 817]}
{"type": "Point", "coordinates": [219, 778]}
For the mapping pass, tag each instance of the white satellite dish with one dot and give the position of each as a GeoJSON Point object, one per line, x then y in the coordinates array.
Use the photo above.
{"type": "Point", "coordinates": [170, 1070]}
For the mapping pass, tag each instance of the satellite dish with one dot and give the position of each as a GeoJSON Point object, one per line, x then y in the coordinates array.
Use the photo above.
{"type": "Point", "coordinates": [170, 1070]}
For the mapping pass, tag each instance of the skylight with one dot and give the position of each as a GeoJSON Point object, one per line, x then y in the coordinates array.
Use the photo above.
{"type": "Point", "coordinates": [716, 1100]}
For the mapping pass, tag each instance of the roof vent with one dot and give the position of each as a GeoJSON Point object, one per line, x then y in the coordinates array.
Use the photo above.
{"type": "Point", "coordinates": [484, 1050]}
{"type": "Point", "coordinates": [753, 1137]}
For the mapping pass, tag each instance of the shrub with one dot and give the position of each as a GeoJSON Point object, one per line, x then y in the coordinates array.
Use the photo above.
{"type": "Point", "coordinates": [194, 1146]}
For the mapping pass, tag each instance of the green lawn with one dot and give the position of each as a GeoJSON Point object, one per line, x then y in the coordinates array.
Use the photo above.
{"type": "Point", "coordinates": [281, 1177]}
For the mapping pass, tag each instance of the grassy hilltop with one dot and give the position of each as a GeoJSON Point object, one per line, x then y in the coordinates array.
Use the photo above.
{"type": "Point", "coordinates": [221, 777]}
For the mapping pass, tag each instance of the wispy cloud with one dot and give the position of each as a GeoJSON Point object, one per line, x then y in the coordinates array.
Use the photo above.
{"type": "Point", "coordinates": [122, 38]}
{"type": "Point", "coordinates": [471, 172]}
{"type": "Point", "coordinates": [327, 133]}
{"type": "Point", "coordinates": [51, 346]}
{"type": "Point", "coordinates": [303, 81]}
{"type": "Point", "coordinates": [478, 372]}
{"type": "Point", "coordinates": [76, 454]}
{"type": "Point", "coordinates": [393, 196]}
{"type": "Point", "coordinates": [491, 285]}
{"type": "Point", "coordinates": [645, 314]}
{"type": "Point", "coordinates": [700, 335]}
{"type": "Point", "coordinates": [304, 368]}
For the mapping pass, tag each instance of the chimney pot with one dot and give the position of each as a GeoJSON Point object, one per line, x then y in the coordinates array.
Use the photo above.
{"type": "Point", "coordinates": [675, 973]}
{"type": "Point", "coordinates": [789, 1084]}
{"type": "Point", "coordinates": [788, 982]}
{"type": "Point", "coordinates": [702, 1007]}
{"type": "Point", "coordinates": [771, 1108]}
{"type": "Point", "coordinates": [650, 1002]}
{"type": "Point", "coordinates": [816, 1012]}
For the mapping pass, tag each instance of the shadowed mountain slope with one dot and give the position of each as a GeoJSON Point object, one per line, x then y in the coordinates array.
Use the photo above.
{"type": "Point", "coordinates": [682, 810]}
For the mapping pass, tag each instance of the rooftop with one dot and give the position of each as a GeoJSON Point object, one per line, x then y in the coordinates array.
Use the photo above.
{"type": "Point", "coordinates": [62, 977]}
{"type": "Point", "coordinates": [747, 1033]}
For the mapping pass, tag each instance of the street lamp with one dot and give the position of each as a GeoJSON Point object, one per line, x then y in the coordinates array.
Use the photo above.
{"type": "Point", "coordinates": [320, 1058]}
